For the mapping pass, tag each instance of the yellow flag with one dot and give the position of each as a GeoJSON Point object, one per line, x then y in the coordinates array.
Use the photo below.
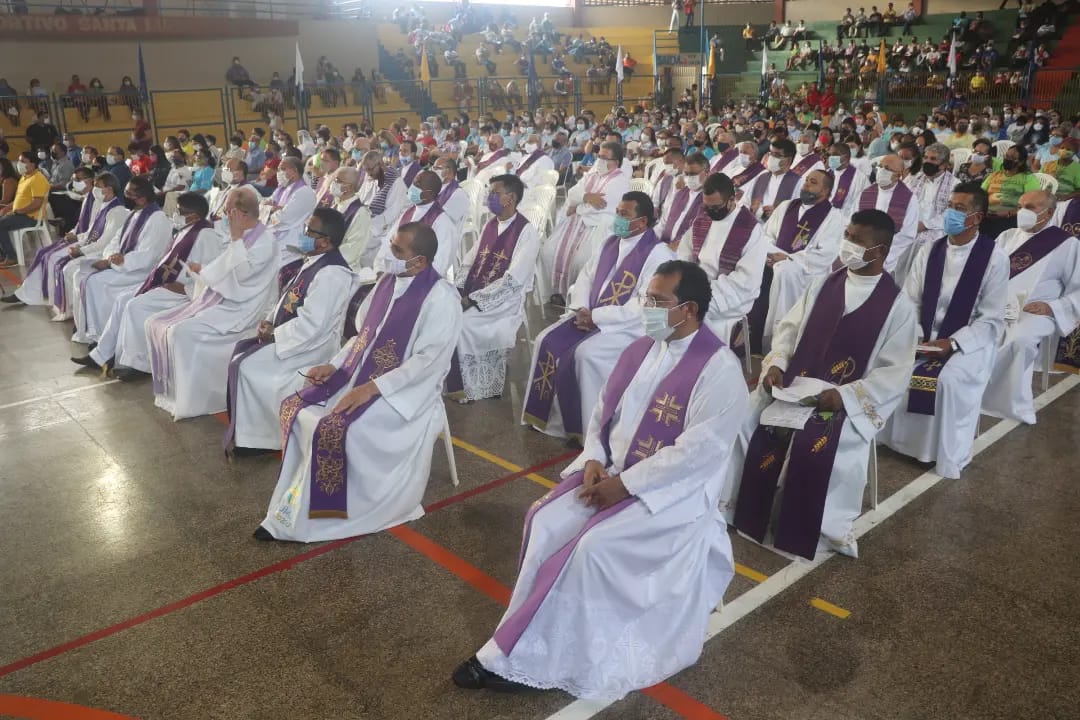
{"type": "Point", "coordinates": [712, 62]}
{"type": "Point", "coordinates": [881, 58]}
{"type": "Point", "coordinates": [425, 71]}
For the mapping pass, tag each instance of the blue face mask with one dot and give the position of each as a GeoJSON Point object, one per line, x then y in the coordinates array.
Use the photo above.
{"type": "Point", "coordinates": [621, 226]}
{"type": "Point", "coordinates": [1055, 139]}
{"type": "Point", "coordinates": [954, 221]}
{"type": "Point", "coordinates": [357, 155]}
{"type": "Point", "coordinates": [834, 162]}
{"type": "Point", "coordinates": [414, 195]}
{"type": "Point", "coordinates": [307, 244]}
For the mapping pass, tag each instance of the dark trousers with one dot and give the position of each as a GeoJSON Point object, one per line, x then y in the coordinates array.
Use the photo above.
{"type": "Point", "coordinates": [14, 221]}
{"type": "Point", "coordinates": [66, 209]}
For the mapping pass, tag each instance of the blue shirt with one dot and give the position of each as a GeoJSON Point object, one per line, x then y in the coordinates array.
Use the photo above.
{"type": "Point", "coordinates": [121, 172]}
{"type": "Point", "coordinates": [202, 178]}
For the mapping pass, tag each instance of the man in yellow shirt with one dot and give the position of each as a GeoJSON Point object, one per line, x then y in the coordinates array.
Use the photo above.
{"type": "Point", "coordinates": [27, 208]}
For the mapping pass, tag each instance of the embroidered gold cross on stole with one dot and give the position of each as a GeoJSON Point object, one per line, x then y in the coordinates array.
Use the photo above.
{"type": "Point", "coordinates": [1020, 262]}
{"type": "Point", "coordinates": [497, 265]}
{"type": "Point", "coordinates": [666, 410]}
{"type": "Point", "coordinates": [543, 383]}
{"type": "Point", "coordinates": [801, 237]}
{"type": "Point", "coordinates": [360, 343]}
{"type": "Point", "coordinates": [386, 358]}
{"type": "Point", "coordinates": [647, 448]}
{"type": "Point", "coordinates": [623, 287]}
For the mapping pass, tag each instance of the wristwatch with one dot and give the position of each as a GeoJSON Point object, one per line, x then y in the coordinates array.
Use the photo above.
{"type": "Point", "coordinates": [953, 345]}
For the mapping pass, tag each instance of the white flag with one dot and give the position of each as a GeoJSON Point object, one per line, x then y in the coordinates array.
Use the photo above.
{"type": "Point", "coordinates": [618, 64]}
{"type": "Point", "coordinates": [299, 68]}
{"type": "Point", "coordinates": [952, 57]}
{"type": "Point", "coordinates": [764, 59]}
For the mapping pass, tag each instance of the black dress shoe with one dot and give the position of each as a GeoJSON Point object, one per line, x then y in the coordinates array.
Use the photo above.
{"type": "Point", "coordinates": [90, 347]}
{"type": "Point", "coordinates": [471, 675]}
{"type": "Point", "coordinates": [86, 361]}
{"type": "Point", "coordinates": [263, 535]}
{"type": "Point", "coordinates": [11, 300]}
{"type": "Point", "coordinates": [126, 374]}
{"type": "Point", "coordinates": [251, 452]}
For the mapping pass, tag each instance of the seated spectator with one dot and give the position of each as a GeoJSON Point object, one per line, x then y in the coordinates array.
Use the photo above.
{"type": "Point", "coordinates": [981, 164]}
{"type": "Point", "coordinates": [1065, 169]}
{"type": "Point", "coordinates": [238, 75]}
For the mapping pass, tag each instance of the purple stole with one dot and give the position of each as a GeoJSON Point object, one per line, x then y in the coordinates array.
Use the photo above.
{"type": "Point", "coordinates": [804, 165]}
{"type": "Point", "coordinates": [411, 173]}
{"type": "Point", "coordinates": [167, 269]}
{"type": "Point", "coordinates": [843, 186]}
{"type": "Point", "coordinates": [723, 159]}
{"type": "Point", "coordinates": [495, 156]}
{"type": "Point", "coordinates": [60, 301]}
{"type": "Point", "coordinates": [447, 192]}
{"type": "Point", "coordinates": [327, 197]}
{"type": "Point", "coordinates": [554, 376]}
{"type": "Point", "coordinates": [784, 192]}
{"type": "Point", "coordinates": [1068, 352]}
{"type": "Point", "coordinates": [492, 261]}
{"type": "Point", "coordinates": [429, 218]}
{"type": "Point", "coordinates": [666, 183]}
{"type": "Point", "coordinates": [834, 347]}
{"type": "Point", "coordinates": [923, 388]}
{"type": "Point", "coordinates": [529, 161]}
{"type": "Point", "coordinates": [748, 174]}
{"type": "Point", "coordinates": [660, 426]}
{"type": "Point", "coordinates": [287, 310]}
{"type": "Point", "coordinates": [46, 252]}
{"type": "Point", "coordinates": [1070, 221]}
{"type": "Point", "coordinates": [795, 235]}
{"type": "Point", "coordinates": [350, 212]}
{"type": "Point", "coordinates": [329, 462]}
{"type": "Point", "coordinates": [901, 196]}
{"type": "Point", "coordinates": [738, 236]}
{"type": "Point", "coordinates": [670, 233]}
{"type": "Point", "coordinates": [1035, 248]}
{"type": "Point", "coordinates": [84, 213]}
{"type": "Point", "coordinates": [698, 232]}
{"type": "Point", "coordinates": [282, 195]}
{"type": "Point", "coordinates": [127, 244]}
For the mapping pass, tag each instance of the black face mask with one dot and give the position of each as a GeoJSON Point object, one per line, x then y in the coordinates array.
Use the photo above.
{"type": "Point", "coordinates": [1010, 164]}
{"type": "Point", "coordinates": [716, 212]}
{"type": "Point", "coordinates": [930, 168]}
{"type": "Point", "coordinates": [722, 147]}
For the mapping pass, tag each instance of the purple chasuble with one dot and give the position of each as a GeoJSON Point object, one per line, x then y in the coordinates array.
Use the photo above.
{"type": "Point", "coordinates": [329, 461]}
{"type": "Point", "coordinates": [491, 263]}
{"type": "Point", "coordinates": [836, 348]}
{"type": "Point", "coordinates": [748, 174]}
{"type": "Point", "coordinates": [96, 230]}
{"type": "Point", "coordinates": [495, 156]}
{"type": "Point", "coordinates": [529, 162]}
{"type": "Point", "coordinates": [922, 391]}
{"type": "Point", "coordinates": [660, 426]}
{"type": "Point", "coordinates": [554, 376]}
{"type": "Point", "coordinates": [169, 269]}
{"type": "Point", "coordinates": [843, 186]}
{"type": "Point", "coordinates": [288, 309]}
{"type": "Point", "coordinates": [804, 165]}
{"type": "Point", "coordinates": [796, 235]}
{"type": "Point", "coordinates": [898, 203]}
{"type": "Point", "coordinates": [1070, 220]}
{"type": "Point", "coordinates": [784, 192]}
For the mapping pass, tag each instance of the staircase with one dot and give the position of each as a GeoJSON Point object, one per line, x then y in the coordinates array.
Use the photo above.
{"type": "Point", "coordinates": [412, 92]}
{"type": "Point", "coordinates": [1057, 84]}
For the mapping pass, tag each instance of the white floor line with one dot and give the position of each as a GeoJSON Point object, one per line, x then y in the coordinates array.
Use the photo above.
{"type": "Point", "coordinates": [62, 393]}
{"type": "Point", "coordinates": [757, 596]}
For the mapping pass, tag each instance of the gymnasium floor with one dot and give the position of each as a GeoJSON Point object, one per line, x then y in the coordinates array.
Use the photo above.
{"type": "Point", "coordinates": [131, 583]}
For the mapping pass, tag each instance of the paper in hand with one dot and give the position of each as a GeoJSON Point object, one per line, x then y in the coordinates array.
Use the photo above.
{"type": "Point", "coordinates": [928, 349]}
{"type": "Point", "coordinates": [781, 413]}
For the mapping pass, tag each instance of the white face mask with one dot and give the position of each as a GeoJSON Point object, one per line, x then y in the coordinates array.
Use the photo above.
{"type": "Point", "coordinates": [86, 159]}
{"type": "Point", "coordinates": [851, 255]}
{"type": "Point", "coordinates": [179, 222]}
{"type": "Point", "coordinates": [111, 159]}
{"type": "Point", "coordinates": [803, 148]}
{"type": "Point", "coordinates": [1026, 219]}
{"type": "Point", "coordinates": [884, 177]}
{"type": "Point", "coordinates": [20, 167]}
{"type": "Point", "coordinates": [693, 182]}
{"type": "Point", "coordinates": [656, 324]}
{"type": "Point", "coordinates": [397, 266]}
{"type": "Point", "coordinates": [773, 164]}
{"type": "Point", "coordinates": [531, 148]}
{"type": "Point", "coordinates": [227, 176]}
{"type": "Point", "coordinates": [745, 160]}
{"type": "Point", "coordinates": [282, 178]}
{"type": "Point", "coordinates": [335, 189]}
{"type": "Point", "coordinates": [78, 186]}
{"type": "Point", "coordinates": [99, 194]}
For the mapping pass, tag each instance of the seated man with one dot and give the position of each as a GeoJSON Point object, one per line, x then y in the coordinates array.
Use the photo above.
{"type": "Point", "coordinates": [29, 205]}
{"type": "Point", "coordinates": [805, 157]}
{"type": "Point", "coordinates": [125, 263]}
{"type": "Point", "coordinates": [168, 286]}
{"type": "Point", "coordinates": [671, 170]}
{"type": "Point", "coordinates": [574, 356]}
{"type": "Point", "coordinates": [721, 160]}
{"type": "Point", "coordinates": [767, 191]}
{"type": "Point", "coordinates": [452, 198]}
{"type": "Point", "coordinates": [44, 279]}
{"type": "Point", "coordinates": [340, 477]}
{"type": "Point", "coordinates": [190, 346]}
{"type": "Point", "coordinates": [729, 246]}
{"type": "Point", "coordinates": [959, 285]}
{"type": "Point", "coordinates": [234, 175]}
{"type": "Point", "coordinates": [625, 559]}
{"type": "Point", "coordinates": [493, 283]}
{"type": "Point", "coordinates": [589, 212]}
{"type": "Point", "coordinates": [1043, 297]}
{"type": "Point", "coordinates": [287, 211]}
{"type": "Point", "coordinates": [385, 194]}
{"type": "Point", "coordinates": [931, 187]}
{"type": "Point", "coordinates": [534, 165]}
{"type": "Point", "coordinates": [855, 330]}
{"type": "Point", "coordinates": [849, 181]}
{"type": "Point", "coordinates": [329, 162]}
{"type": "Point", "coordinates": [685, 206]}
{"type": "Point", "coordinates": [303, 331]}
{"type": "Point", "coordinates": [356, 248]}
{"type": "Point", "coordinates": [804, 237]}
{"type": "Point", "coordinates": [493, 162]}
{"type": "Point", "coordinates": [745, 167]}
{"type": "Point", "coordinates": [894, 198]}
{"type": "Point", "coordinates": [424, 208]}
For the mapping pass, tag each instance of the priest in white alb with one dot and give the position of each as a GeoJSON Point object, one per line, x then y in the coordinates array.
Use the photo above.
{"type": "Point", "coordinates": [286, 212]}
{"type": "Point", "coordinates": [848, 180]}
{"type": "Point", "coordinates": [959, 285]}
{"type": "Point", "coordinates": [931, 187]}
{"type": "Point", "coordinates": [358, 440]}
{"type": "Point", "coordinates": [854, 330]}
{"type": "Point", "coordinates": [767, 190]}
{"type": "Point", "coordinates": [452, 198]}
{"type": "Point", "coordinates": [303, 330]}
{"type": "Point", "coordinates": [357, 247]}
{"type": "Point", "coordinates": [625, 559]}
{"type": "Point", "coordinates": [572, 358]}
{"type": "Point", "coordinates": [234, 175]}
{"type": "Point", "coordinates": [1043, 299]}
{"type": "Point", "coordinates": [534, 167]}
{"type": "Point", "coordinates": [685, 206]}
{"type": "Point", "coordinates": [494, 281]}
{"type": "Point", "coordinates": [385, 194]}
{"type": "Point", "coordinates": [423, 207]}
{"type": "Point", "coordinates": [190, 346]}
{"type": "Point", "coordinates": [497, 160]}
{"type": "Point", "coordinates": [893, 197]}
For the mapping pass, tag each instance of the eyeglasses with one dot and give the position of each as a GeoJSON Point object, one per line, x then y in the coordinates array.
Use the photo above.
{"type": "Point", "coordinates": [312, 231]}
{"type": "Point", "coordinates": [652, 302]}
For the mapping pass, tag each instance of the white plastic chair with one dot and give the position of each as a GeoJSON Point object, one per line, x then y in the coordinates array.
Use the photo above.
{"type": "Point", "coordinates": [641, 185]}
{"type": "Point", "coordinates": [1002, 146]}
{"type": "Point", "coordinates": [41, 230]}
{"type": "Point", "coordinates": [652, 169]}
{"type": "Point", "coordinates": [747, 360]}
{"type": "Point", "coordinates": [1047, 182]}
{"type": "Point", "coordinates": [551, 177]}
{"type": "Point", "coordinates": [959, 157]}
{"type": "Point", "coordinates": [1049, 354]}
{"type": "Point", "coordinates": [448, 445]}
{"type": "Point", "coordinates": [871, 473]}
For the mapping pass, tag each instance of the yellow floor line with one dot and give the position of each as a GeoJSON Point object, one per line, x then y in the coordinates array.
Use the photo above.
{"type": "Point", "coordinates": [504, 464]}
{"type": "Point", "coordinates": [826, 606]}
{"type": "Point", "coordinates": [750, 574]}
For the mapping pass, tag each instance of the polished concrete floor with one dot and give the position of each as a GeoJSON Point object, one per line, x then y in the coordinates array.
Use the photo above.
{"type": "Point", "coordinates": [131, 583]}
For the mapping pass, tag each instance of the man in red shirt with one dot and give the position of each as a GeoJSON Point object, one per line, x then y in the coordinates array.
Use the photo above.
{"type": "Point", "coordinates": [688, 9]}
{"type": "Point", "coordinates": [77, 88]}
{"type": "Point", "coordinates": [141, 137]}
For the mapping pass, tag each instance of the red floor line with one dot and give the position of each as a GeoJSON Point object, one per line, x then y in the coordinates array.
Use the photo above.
{"type": "Point", "coordinates": [10, 276]}
{"type": "Point", "coordinates": [39, 709]}
{"type": "Point", "coordinates": [501, 481]}
{"type": "Point", "coordinates": [664, 693]}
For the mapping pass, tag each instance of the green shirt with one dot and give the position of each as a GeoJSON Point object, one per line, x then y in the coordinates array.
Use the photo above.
{"type": "Point", "coordinates": [1068, 176]}
{"type": "Point", "coordinates": [1005, 190]}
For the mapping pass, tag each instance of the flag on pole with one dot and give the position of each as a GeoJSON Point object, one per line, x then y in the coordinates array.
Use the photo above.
{"type": "Point", "coordinates": [764, 71]}
{"type": "Point", "coordinates": [952, 58]}
{"type": "Point", "coordinates": [712, 60]}
{"type": "Point", "coordinates": [618, 65]}
{"type": "Point", "coordinates": [533, 83]}
{"type": "Point", "coordinates": [425, 71]}
{"type": "Point", "coordinates": [298, 67]}
{"type": "Point", "coordinates": [143, 87]}
{"type": "Point", "coordinates": [881, 65]}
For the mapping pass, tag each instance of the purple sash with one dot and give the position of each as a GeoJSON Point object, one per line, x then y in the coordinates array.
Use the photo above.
{"type": "Point", "coordinates": [898, 203]}
{"type": "Point", "coordinates": [429, 218]}
{"type": "Point", "coordinates": [1035, 248]}
{"type": "Point", "coordinates": [492, 261]}
{"type": "Point", "coordinates": [923, 388]}
{"type": "Point", "coordinates": [795, 235]}
{"type": "Point", "coordinates": [723, 159]}
{"type": "Point", "coordinates": [671, 232]}
{"type": "Point", "coordinates": [447, 192]}
{"type": "Point", "coordinates": [127, 244]}
{"type": "Point", "coordinates": [666, 183]}
{"type": "Point", "coordinates": [326, 199]}
{"type": "Point", "coordinates": [411, 173]}
{"type": "Point", "coordinates": [554, 375]}
{"type": "Point", "coordinates": [843, 186]}
{"type": "Point", "coordinates": [1068, 353]}
{"type": "Point", "coordinates": [495, 156]}
{"type": "Point", "coordinates": [329, 462]}
{"type": "Point", "coordinates": [287, 310]}
{"type": "Point", "coordinates": [804, 165]}
{"type": "Point", "coordinates": [168, 270]}
{"type": "Point", "coordinates": [787, 187]}
{"type": "Point", "coordinates": [748, 174]}
{"type": "Point", "coordinates": [660, 426]}
{"type": "Point", "coordinates": [834, 347]}
{"type": "Point", "coordinates": [1070, 221]}
{"type": "Point", "coordinates": [96, 230]}
{"type": "Point", "coordinates": [529, 161]}
{"type": "Point", "coordinates": [738, 236]}
{"type": "Point", "coordinates": [282, 195]}
{"type": "Point", "coordinates": [698, 232]}
{"type": "Point", "coordinates": [350, 212]}
{"type": "Point", "coordinates": [84, 213]}
{"type": "Point", "coordinates": [287, 273]}
{"type": "Point", "coordinates": [40, 257]}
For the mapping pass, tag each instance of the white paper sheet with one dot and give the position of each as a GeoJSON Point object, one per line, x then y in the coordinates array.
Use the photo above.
{"type": "Point", "coordinates": [781, 413]}
{"type": "Point", "coordinates": [800, 388]}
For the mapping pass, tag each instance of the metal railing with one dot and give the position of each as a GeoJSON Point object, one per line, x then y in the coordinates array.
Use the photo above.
{"type": "Point", "coordinates": [265, 9]}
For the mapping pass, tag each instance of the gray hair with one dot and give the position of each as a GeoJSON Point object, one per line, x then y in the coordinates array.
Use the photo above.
{"type": "Point", "coordinates": [940, 148]}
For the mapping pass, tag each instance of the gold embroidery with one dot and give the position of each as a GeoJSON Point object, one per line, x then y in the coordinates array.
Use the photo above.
{"type": "Point", "coordinates": [329, 458]}
{"type": "Point", "coordinates": [291, 300]}
{"type": "Point", "coordinates": [819, 444]}
{"type": "Point", "coordinates": [386, 358]}
{"type": "Point", "coordinates": [868, 407]}
{"type": "Point", "coordinates": [620, 289]}
{"type": "Point", "coordinates": [1020, 262]}
{"type": "Point", "coordinates": [801, 237]}
{"type": "Point", "coordinates": [767, 461]}
{"type": "Point", "coordinates": [927, 384]}
{"type": "Point", "coordinates": [289, 407]}
{"type": "Point", "coordinates": [360, 343]}
{"type": "Point", "coordinates": [666, 410]}
{"type": "Point", "coordinates": [647, 448]}
{"type": "Point", "coordinates": [842, 370]}
{"type": "Point", "coordinates": [543, 383]}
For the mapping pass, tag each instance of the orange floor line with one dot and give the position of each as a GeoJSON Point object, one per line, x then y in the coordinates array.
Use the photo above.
{"type": "Point", "coordinates": [37, 709]}
{"type": "Point", "coordinates": [665, 694]}
{"type": "Point", "coordinates": [10, 276]}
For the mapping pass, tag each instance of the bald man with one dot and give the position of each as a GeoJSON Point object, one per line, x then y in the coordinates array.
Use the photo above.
{"type": "Point", "coordinates": [357, 248]}
{"type": "Point", "coordinates": [745, 167]}
{"type": "Point", "coordinates": [896, 200]}
{"type": "Point", "coordinates": [234, 175]}
{"type": "Point", "coordinates": [286, 211]}
{"type": "Point", "coordinates": [1043, 298]}
{"type": "Point", "coordinates": [424, 208]}
{"type": "Point", "coordinates": [534, 165]}
{"type": "Point", "coordinates": [495, 161]}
